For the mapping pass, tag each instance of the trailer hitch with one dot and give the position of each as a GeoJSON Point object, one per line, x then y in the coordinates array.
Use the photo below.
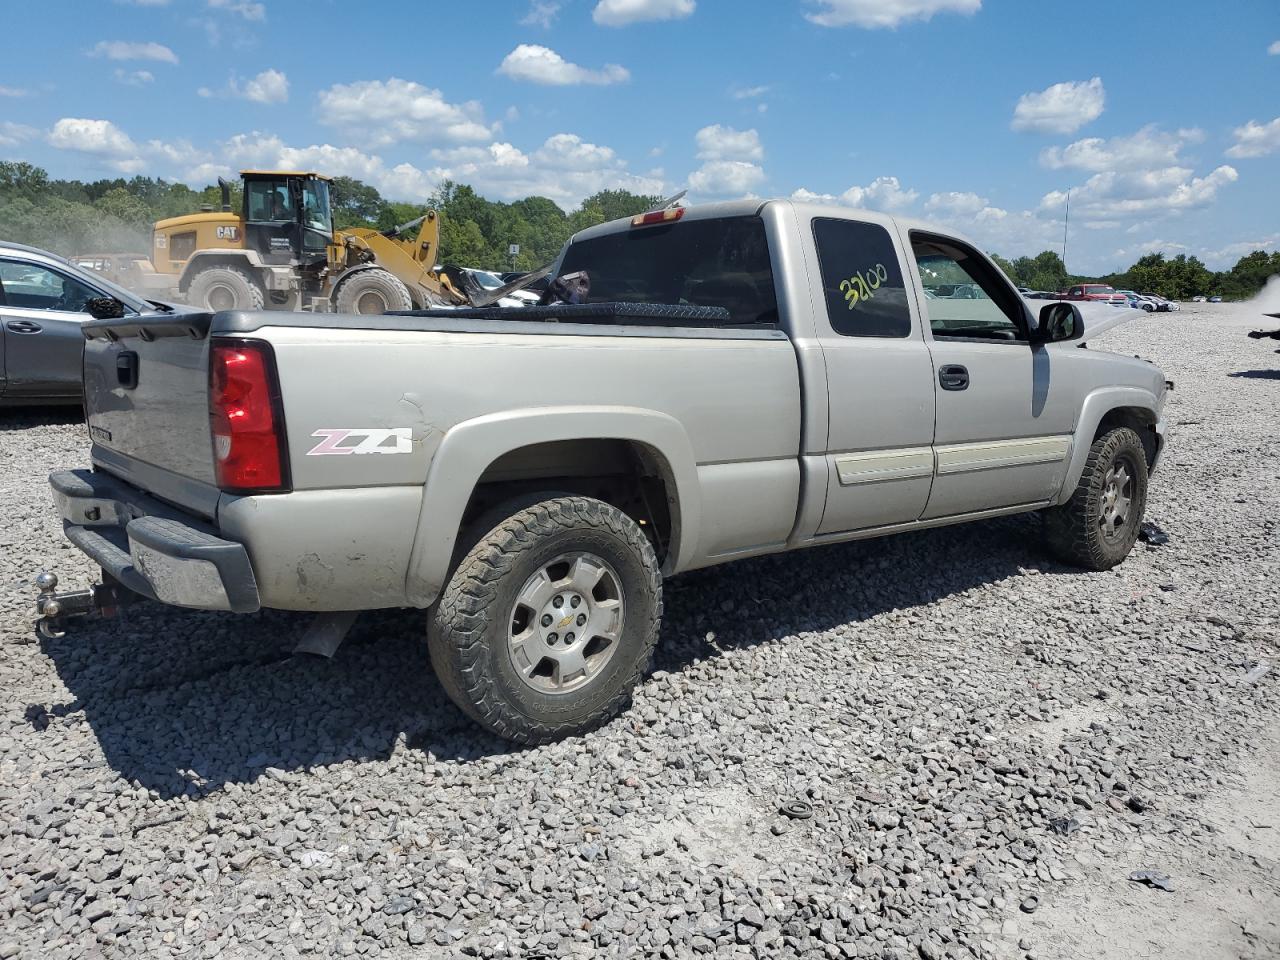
{"type": "Point", "coordinates": [55, 609]}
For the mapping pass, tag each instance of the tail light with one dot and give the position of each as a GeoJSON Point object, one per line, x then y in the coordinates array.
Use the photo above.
{"type": "Point", "coordinates": [250, 454]}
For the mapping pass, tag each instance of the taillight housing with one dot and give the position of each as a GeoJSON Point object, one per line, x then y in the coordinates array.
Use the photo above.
{"type": "Point", "coordinates": [250, 450]}
{"type": "Point", "coordinates": [654, 217]}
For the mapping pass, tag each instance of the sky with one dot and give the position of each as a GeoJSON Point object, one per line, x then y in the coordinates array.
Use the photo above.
{"type": "Point", "coordinates": [1161, 117]}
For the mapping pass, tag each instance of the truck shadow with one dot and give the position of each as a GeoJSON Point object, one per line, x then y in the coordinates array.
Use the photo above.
{"type": "Point", "coordinates": [182, 702]}
{"type": "Point", "coordinates": [13, 419]}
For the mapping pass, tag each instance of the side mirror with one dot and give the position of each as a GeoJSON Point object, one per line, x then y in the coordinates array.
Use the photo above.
{"type": "Point", "coordinates": [1058, 322]}
{"type": "Point", "coordinates": [104, 308]}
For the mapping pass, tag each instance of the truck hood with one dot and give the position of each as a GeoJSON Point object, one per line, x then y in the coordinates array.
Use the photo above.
{"type": "Point", "coordinates": [1099, 317]}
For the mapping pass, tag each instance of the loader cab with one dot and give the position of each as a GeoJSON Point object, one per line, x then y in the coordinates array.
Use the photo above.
{"type": "Point", "coordinates": [287, 216]}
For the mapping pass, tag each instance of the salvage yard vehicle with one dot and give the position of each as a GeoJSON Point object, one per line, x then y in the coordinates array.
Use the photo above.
{"type": "Point", "coordinates": [746, 378]}
{"type": "Point", "coordinates": [44, 303]}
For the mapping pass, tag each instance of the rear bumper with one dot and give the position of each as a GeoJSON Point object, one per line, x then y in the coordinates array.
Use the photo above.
{"type": "Point", "coordinates": [151, 548]}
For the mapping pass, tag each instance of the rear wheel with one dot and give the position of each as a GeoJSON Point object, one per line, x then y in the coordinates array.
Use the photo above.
{"type": "Point", "coordinates": [1098, 526]}
{"type": "Point", "coordinates": [225, 288]}
{"type": "Point", "coordinates": [372, 292]}
{"type": "Point", "coordinates": [548, 622]}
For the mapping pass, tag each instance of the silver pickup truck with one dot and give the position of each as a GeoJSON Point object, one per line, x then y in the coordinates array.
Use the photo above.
{"type": "Point", "coordinates": [746, 378]}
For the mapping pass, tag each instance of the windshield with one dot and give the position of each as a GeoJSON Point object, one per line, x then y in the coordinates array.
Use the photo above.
{"type": "Point", "coordinates": [720, 262]}
{"type": "Point", "coordinates": [316, 215]}
{"type": "Point", "coordinates": [490, 281]}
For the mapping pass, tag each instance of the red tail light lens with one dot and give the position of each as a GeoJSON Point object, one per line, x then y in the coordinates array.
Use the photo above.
{"type": "Point", "coordinates": [249, 450]}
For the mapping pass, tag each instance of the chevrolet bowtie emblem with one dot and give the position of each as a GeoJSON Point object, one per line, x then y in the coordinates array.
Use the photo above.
{"type": "Point", "coordinates": [565, 622]}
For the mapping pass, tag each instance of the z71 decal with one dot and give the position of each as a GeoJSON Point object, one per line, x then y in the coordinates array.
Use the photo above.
{"type": "Point", "coordinates": [340, 443]}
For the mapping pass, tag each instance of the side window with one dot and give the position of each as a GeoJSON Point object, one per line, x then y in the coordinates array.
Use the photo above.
{"type": "Point", "coordinates": [963, 296]}
{"type": "Point", "coordinates": [866, 295]}
{"type": "Point", "coordinates": [35, 287]}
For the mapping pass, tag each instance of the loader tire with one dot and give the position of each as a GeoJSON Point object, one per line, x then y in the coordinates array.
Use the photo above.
{"type": "Point", "coordinates": [372, 292]}
{"type": "Point", "coordinates": [225, 288]}
{"type": "Point", "coordinates": [1098, 526]}
{"type": "Point", "coordinates": [549, 621]}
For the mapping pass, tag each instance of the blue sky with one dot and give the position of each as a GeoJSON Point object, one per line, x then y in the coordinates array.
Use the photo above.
{"type": "Point", "coordinates": [1161, 116]}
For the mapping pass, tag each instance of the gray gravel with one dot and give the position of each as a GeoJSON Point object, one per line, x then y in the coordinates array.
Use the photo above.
{"type": "Point", "coordinates": [984, 737]}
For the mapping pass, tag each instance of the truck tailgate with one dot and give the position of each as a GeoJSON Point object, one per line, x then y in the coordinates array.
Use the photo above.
{"type": "Point", "coordinates": [146, 398]}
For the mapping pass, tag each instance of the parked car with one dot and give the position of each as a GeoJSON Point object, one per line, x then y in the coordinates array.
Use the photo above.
{"type": "Point", "coordinates": [1158, 302]}
{"type": "Point", "coordinates": [126, 269]}
{"type": "Point", "coordinates": [1215, 299]}
{"type": "Point", "coordinates": [44, 302]}
{"type": "Point", "coordinates": [747, 378]}
{"type": "Point", "coordinates": [1096, 293]}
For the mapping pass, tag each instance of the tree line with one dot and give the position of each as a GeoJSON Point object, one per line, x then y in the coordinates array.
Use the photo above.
{"type": "Point", "coordinates": [115, 215]}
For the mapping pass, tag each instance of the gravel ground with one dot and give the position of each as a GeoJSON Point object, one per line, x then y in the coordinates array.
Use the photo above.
{"type": "Point", "coordinates": [990, 744]}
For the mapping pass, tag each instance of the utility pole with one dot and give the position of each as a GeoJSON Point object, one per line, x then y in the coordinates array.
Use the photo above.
{"type": "Point", "coordinates": [1065, 224]}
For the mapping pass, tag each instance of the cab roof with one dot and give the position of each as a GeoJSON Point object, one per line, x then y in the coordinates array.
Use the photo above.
{"type": "Point", "coordinates": [285, 173]}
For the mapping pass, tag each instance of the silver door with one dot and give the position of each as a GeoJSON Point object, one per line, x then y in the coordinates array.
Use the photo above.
{"type": "Point", "coordinates": [879, 376]}
{"type": "Point", "coordinates": [1003, 426]}
{"type": "Point", "coordinates": [40, 318]}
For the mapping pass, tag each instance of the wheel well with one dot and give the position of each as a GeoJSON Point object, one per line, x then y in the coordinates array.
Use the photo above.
{"type": "Point", "coordinates": [631, 476]}
{"type": "Point", "coordinates": [1138, 419]}
{"type": "Point", "coordinates": [198, 264]}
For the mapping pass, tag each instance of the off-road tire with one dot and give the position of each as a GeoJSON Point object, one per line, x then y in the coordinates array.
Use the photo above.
{"type": "Point", "coordinates": [236, 283]}
{"type": "Point", "coordinates": [1073, 531]}
{"type": "Point", "coordinates": [372, 292]}
{"type": "Point", "coordinates": [468, 628]}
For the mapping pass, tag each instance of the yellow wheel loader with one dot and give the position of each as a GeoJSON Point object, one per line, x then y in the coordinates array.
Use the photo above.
{"type": "Point", "coordinates": [281, 252]}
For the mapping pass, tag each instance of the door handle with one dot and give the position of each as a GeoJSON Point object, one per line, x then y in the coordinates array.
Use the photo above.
{"type": "Point", "coordinates": [953, 377]}
{"type": "Point", "coordinates": [23, 326]}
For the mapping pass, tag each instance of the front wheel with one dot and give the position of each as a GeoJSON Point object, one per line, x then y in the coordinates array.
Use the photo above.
{"type": "Point", "coordinates": [1098, 526]}
{"type": "Point", "coordinates": [374, 291]}
{"type": "Point", "coordinates": [548, 622]}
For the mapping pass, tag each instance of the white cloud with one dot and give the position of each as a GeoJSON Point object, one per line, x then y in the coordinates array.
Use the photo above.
{"type": "Point", "coordinates": [1256, 139]}
{"type": "Point", "coordinates": [133, 50]}
{"type": "Point", "coordinates": [1274, 49]}
{"type": "Point", "coordinates": [13, 91]}
{"type": "Point", "coordinates": [964, 208]}
{"type": "Point", "coordinates": [542, 65]}
{"type": "Point", "coordinates": [1227, 255]}
{"type": "Point", "coordinates": [248, 9]}
{"type": "Point", "coordinates": [12, 134]}
{"type": "Point", "coordinates": [1061, 108]}
{"type": "Point", "coordinates": [724, 143]}
{"type": "Point", "coordinates": [879, 14]}
{"type": "Point", "coordinates": [134, 78]}
{"type": "Point", "coordinates": [619, 13]}
{"type": "Point", "coordinates": [270, 86]}
{"type": "Point", "coordinates": [749, 93]}
{"type": "Point", "coordinates": [1149, 147]}
{"type": "Point", "coordinates": [722, 178]}
{"type": "Point", "coordinates": [1111, 197]}
{"type": "Point", "coordinates": [99, 138]}
{"type": "Point", "coordinates": [382, 112]}
{"type": "Point", "coordinates": [542, 13]}
{"type": "Point", "coordinates": [564, 168]}
{"type": "Point", "coordinates": [883, 193]}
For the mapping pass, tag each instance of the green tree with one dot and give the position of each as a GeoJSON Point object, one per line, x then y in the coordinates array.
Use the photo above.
{"type": "Point", "coordinates": [1009, 269]}
{"type": "Point", "coordinates": [355, 204]}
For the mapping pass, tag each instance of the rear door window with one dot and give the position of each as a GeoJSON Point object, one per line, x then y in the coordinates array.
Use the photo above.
{"type": "Point", "coordinates": [865, 292]}
{"type": "Point", "coordinates": [723, 262]}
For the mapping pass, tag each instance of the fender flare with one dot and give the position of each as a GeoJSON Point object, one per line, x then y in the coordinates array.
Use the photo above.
{"type": "Point", "coordinates": [1096, 406]}
{"type": "Point", "coordinates": [468, 449]}
{"type": "Point", "coordinates": [197, 260]}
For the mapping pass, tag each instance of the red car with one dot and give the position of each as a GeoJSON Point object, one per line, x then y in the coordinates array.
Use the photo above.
{"type": "Point", "coordinates": [1098, 292]}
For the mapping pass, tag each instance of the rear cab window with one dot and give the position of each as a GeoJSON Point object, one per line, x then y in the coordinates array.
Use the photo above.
{"type": "Point", "coordinates": [718, 262]}
{"type": "Point", "coordinates": [861, 279]}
